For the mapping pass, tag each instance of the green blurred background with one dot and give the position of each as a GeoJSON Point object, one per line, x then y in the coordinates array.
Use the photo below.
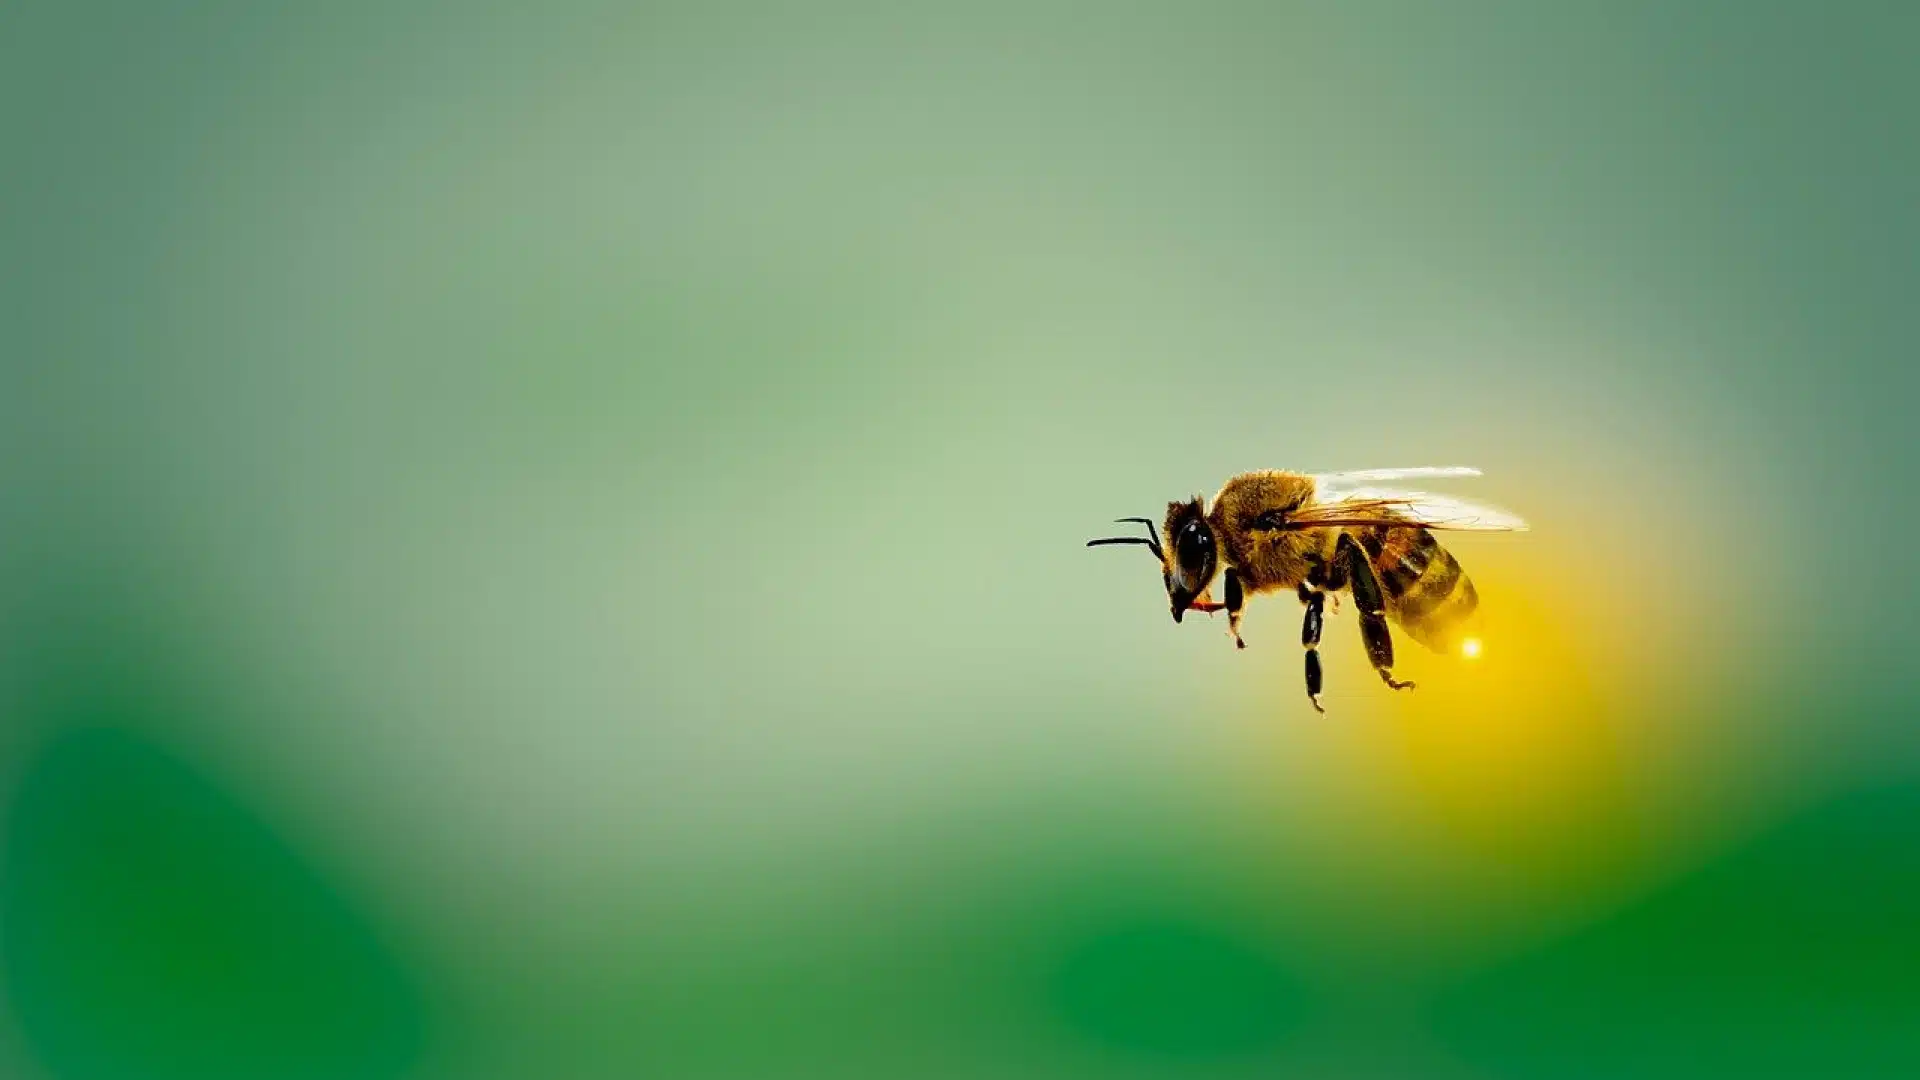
{"type": "Point", "coordinates": [545, 540]}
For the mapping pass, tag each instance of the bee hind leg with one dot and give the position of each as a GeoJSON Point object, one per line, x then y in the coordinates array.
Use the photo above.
{"type": "Point", "coordinates": [1373, 617]}
{"type": "Point", "coordinates": [1310, 640]}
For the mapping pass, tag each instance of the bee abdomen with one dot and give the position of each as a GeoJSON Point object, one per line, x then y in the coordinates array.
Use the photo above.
{"type": "Point", "coordinates": [1427, 592]}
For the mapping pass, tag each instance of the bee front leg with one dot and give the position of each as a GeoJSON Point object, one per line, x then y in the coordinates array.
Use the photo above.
{"type": "Point", "coordinates": [1310, 640]}
{"type": "Point", "coordinates": [1236, 599]}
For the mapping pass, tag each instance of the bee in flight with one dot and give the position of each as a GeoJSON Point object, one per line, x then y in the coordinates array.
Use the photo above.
{"type": "Point", "coordinates": [1320, 534]}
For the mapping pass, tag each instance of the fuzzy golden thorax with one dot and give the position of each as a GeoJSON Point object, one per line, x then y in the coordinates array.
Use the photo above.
{"type": "Point", "coordinates": [1265, 559]}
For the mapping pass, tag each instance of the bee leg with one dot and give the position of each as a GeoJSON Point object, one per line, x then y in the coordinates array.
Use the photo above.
{"type": "Point", "coordinates": [1373, 617]}
{"type": "Point", "coordinates": [1310, 639]}
{"type": "Point", "coordinates": [1236, 599]}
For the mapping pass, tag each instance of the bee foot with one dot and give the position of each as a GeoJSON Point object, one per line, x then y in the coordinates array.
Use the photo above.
{"type": "Point", "coordinates": [1315, 699]}
{"type": "Point", "coordinates": [1397, 684]}
{"type": "Point", "coordinates": [1238, 643]}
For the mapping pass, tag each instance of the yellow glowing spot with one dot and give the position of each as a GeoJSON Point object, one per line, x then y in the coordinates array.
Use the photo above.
{"type": "Point", "coordinates": [1470, 648]}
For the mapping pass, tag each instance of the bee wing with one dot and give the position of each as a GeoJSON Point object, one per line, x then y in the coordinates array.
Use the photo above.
{"type": "Point", "coordinates": [1384, 506]}
{"type": "Point", "coordinates": [1331, 483]}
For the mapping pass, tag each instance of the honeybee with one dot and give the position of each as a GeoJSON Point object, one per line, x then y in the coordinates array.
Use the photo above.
{"type": "Point", "coordinates": [1320, 534]}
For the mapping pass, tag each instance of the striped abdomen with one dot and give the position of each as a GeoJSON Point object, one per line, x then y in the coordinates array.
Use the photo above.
{"type": "Point", "coordinates": [1426, 591]}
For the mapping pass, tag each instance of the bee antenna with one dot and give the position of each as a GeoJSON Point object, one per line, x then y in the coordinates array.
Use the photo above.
{"type": "Point", "coordinates": [1151, 531]}
{"type": "Point", "coordinates": [1151, 541]}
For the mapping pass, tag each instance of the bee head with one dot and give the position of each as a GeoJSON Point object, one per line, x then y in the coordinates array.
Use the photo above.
{"type": "Point", "coordinates": [1187, 566]}
{"type": "Point", "coordinates": [1191, 555]}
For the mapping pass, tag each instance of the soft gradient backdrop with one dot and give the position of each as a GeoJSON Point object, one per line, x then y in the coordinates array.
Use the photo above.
{"type": "Point", "coordinates": [544, 540]}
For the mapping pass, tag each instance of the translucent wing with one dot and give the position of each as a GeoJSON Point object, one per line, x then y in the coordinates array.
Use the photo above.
{"type": "Point", "coordinates": [1332, 485]}
{"type": "Point", "coordinates": [1364, 506]}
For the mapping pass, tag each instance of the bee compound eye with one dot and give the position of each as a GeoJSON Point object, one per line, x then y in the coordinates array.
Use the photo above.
{"type": "Point", "coordinates": [1194, 543]}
